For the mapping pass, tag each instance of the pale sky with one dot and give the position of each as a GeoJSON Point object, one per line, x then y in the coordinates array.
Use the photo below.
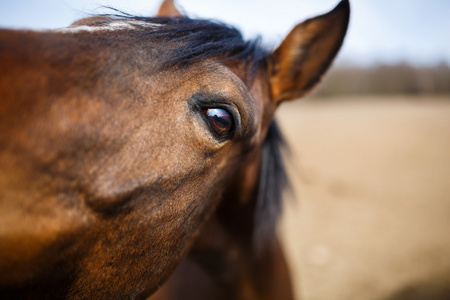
{"type": "Point", "coordinates": [417, 31]}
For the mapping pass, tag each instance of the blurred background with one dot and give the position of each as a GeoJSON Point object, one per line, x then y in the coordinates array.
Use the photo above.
{"type": "Point", "coordinates": [369, 213]}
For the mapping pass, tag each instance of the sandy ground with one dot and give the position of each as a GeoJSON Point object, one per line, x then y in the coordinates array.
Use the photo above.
{"type": "Point", "coordinates": [371, 213]}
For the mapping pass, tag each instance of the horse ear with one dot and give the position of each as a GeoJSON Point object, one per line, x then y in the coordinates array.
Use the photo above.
{"type": "Point", "coordinates": [168, 9]}
{"type": "Point", "coordinates": [306, 53]}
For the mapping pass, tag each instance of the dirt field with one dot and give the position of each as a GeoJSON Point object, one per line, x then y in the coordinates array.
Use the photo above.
{"type": "Point", "coordinates": [371, 178]}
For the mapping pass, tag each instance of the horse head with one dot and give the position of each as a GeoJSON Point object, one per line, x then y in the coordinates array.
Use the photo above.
{"type": "Point", "coordinates": [129, 142]}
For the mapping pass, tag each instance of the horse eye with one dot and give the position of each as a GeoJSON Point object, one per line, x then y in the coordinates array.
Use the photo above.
{"type": "Point", "coordinates": [220, 121]}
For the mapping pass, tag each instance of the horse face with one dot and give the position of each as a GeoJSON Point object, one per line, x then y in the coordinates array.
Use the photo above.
{"type": "Point", "coordinates": [110, 180]}
{"type": "Point", "coordinates": [111, 162]}
{"type": "Point", "coordinates": [117, 175]}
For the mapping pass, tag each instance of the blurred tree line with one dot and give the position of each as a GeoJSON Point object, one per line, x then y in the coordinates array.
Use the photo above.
{"type": "Point", "coordinates": [385, 79]}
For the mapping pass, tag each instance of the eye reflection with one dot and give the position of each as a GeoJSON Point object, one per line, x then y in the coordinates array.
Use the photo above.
{"type": "Point", "coordinates": [220, 121]}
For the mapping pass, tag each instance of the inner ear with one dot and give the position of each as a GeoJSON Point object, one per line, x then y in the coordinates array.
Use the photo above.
{"type": "Point", "coordinates": [303, 57]}
{"type": "Point", "coordinates": [168, 9]}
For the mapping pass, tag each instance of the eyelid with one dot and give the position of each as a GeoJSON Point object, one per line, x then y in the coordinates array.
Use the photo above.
{"type": "Point", "coordinates": [200, 102]}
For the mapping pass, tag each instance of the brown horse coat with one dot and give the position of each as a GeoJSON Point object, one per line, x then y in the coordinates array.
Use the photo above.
{"type": "Point", "coordinates": [128, 144]}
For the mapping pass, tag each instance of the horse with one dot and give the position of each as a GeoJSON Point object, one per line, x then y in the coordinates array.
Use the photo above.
{"type": "Point", "coordinates": [131, 145]}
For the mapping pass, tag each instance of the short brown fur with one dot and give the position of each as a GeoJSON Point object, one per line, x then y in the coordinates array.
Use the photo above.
{"type": "Point", "coordinates": [110, 178]}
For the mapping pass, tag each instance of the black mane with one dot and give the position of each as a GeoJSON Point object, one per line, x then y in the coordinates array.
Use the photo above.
{"type": "Point", "coordinates": [273, 181]}
{"type": "Point", "coordinates": [195, 40]}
